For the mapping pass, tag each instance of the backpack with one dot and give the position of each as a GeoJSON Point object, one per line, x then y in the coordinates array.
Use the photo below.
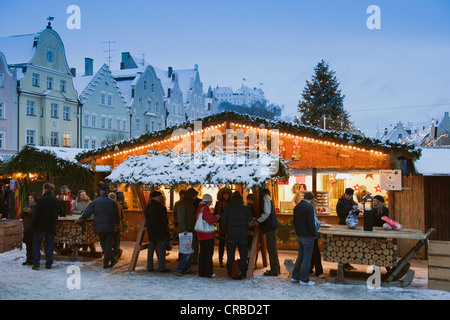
{"type": "Point", "coordinates": [236, 269]}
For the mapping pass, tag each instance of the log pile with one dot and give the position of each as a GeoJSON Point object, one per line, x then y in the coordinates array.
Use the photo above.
{"type": "Point", "coordinates": [10, 234]}
{"type": "Point", "coordinates": [360, 250]}
{"type": "Point", "coordinates": [75, 232]}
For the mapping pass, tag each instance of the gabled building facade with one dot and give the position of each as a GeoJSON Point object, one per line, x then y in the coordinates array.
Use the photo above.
{"type": "Point", "coordinates": [8, 108]}
{"type": "Point", "coordinates": [105, 119]}
{"type": "Point", "coordinates": [144, 95]}
{"type": "Point", "coordinates": [193, 96]}
{"type": "Point", "coordinates": [47, 100]}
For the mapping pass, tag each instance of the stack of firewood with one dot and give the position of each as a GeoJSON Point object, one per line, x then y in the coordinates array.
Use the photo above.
{"type": "Point", "coordinates": [75, 232]}
{"type": "Point", "coordinates": [360, 250]}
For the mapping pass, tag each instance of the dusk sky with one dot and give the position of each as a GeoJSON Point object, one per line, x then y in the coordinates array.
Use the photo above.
{"type": "Point", "coordinates": [397, 73]}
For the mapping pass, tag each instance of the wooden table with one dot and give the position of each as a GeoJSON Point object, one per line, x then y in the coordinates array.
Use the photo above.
{"type": "Point", "coordinates": [72, 234]}
{"type": "Point", "coordinates": [375, 248]}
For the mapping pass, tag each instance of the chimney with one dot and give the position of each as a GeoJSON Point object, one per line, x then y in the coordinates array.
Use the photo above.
{"type": "Point", "coordinates": [88, 66]}
{"type": "Point", "coordinates": [174, 76]}
{"type": "Point", "coordinates": [385, 131]}
{"type": "Point", "coordinates": [169, 75]}
{"type": "Point", "coordinates": [196, 67]}
{"type": "Point", "coordinates": [73, 71]}
{"type": "Point", "coordinates": [122, 65]}
{"type": "Point", "coordinates": [168, 92]}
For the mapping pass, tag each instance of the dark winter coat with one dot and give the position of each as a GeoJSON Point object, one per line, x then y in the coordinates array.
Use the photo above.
{"type": "Point", "coordinates": [377, 221]}
{"type": "Point", "coordinates": [343, 208]}
{"type": "Point", "coordinates": [236, 219]}
{"type": "Point", "coordinates": [220, 206]}
{"type": "Point", "coordinates": [45, 214]}
{"type": "Point", "coordinates": [28, 234]}
{"type": "Point", "coordinates": [304, 224]}
{"type": "Point", "coordinates": [156, 221]}
{"type": "Point", "coordinates": [271, 222]}
{"type": "Point", "coordinates": [106, 214]}
{"type": "Point", "coordinates": [185, 211]}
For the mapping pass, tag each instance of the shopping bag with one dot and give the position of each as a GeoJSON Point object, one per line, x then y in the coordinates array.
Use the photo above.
{"type": "Point", "coordinates": [185, 244]}
{"type": "Point", "coordinates": [392, 223]}
{"type": "Point", "coordinates": [352, 219]}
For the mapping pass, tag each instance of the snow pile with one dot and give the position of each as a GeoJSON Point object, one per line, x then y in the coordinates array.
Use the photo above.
{"type": "Point", "coordinates": [250, 168]}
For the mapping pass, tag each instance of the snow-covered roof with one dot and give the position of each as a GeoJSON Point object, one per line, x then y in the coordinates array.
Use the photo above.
{"type": "Point", "coordinates": [434, 161]}
{"type": "Point", "coordinates": [205, 167]}
{"type": "Point", "coordinates": [62, 153]}
{"type": "Point", "coordinates": [19, 49]}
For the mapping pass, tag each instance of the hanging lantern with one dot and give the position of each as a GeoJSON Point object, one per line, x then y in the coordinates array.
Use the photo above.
{"type": "Point", "coordinates": [368, 213]}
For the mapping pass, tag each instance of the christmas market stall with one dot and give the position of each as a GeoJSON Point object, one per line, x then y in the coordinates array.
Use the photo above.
{"type": "Point", "coordinates": [27, 171]}
{"type": "Point", "coordinates": [325, 162]}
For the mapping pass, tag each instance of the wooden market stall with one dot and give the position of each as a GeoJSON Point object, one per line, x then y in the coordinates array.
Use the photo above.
{"type": "Point", "coordinates": [325, 161]}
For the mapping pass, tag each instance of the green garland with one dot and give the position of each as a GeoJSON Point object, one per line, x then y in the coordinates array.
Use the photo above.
{"type": "Point", "coordinates": [339, 137]}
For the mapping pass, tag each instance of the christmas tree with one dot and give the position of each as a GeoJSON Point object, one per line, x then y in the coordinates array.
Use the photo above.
{"type": "Point", "coordinates": [322, 103]}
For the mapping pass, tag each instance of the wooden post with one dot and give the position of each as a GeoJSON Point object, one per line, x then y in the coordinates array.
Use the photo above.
{"type": "Point", "coordinates": [314, 181]}
{"type": "Point", "coordinates": [141, 232]}
{"type": "Point", "coordinates": [258, 243]}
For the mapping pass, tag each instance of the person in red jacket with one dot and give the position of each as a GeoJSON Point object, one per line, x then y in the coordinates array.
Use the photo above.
{"type": "Point", "coordinates": [206, 240]}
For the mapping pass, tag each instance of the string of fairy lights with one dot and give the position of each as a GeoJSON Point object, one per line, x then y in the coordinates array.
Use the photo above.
{"type": "Point", "coordinates": [233, 125]}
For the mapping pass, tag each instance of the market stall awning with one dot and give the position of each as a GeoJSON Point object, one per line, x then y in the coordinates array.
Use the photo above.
{"type": "Point", "coordinates": [204, 167]}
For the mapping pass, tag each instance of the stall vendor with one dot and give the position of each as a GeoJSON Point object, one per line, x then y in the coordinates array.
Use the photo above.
{"type": "Point", "coordinates": [345, 204]}
{"type": "Point", "coordinates": [380, 210]}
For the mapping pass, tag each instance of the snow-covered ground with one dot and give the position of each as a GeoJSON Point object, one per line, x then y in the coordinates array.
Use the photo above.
{"type": "Point", "coordinates": [21, 282]}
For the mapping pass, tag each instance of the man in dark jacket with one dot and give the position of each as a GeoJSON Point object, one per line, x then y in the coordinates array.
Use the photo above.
{"type": "Point", "coordinates": [305, 228]}
{"type": "Point", "coordinates": [106, 223]}
{"type": "Point", "coordinates": [156, 222]}
{"type": "Point", "coordinates": [345, 204]}
{"type": "Point", "coordinates": [43, 224]}
{"type": "Point", "coordinates": [236, 220]}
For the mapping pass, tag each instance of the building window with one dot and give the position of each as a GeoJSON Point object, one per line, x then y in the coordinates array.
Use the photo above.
{"type": "Point", "coordinates": [36, 80]}
{"type": "Point", "coordinates": [2, 110]}
{"type": "Point", "coordinates": [103, 122]}
{"type": "Point", "coordinates": [2, 79]}
{"type": "Point", "coordinates": [54, 139]}
{"type": "Point", "coordinates": [50, 83]}
{"type": "Point", "coordinates": [138, 124]}
{"type": "Point", "coordinates": [93, 143]}
{"type": "Point", "coordinates": [63, 85]}
{"type": "Point", "coordinates": [54, 113]}
{"type": "Point", "coordinates": [66, 113]}
{"type": "Point", "coordinates": [66, 139]}
{"type": "Point", "coordinates": [94, 120]}
{"type": "Point", "coordinates": [149, 105]}
{"type": "Point", "coordinates": [109, 123]}
{"type": "Point", "coordinates": [31, 108]}
{"type": "Point", "coordinates": [31, 137]}
{"type": "Point", "coordinates": [124, 125]}
{"type": "Point", "coordinates": [86, 120]}
{"type": "Point", "coordinates": [117, 124]}
{"type": "Point", "coordinates": [2, 140]}
{"type": "Point", "coordinates": [110, 100]}
{"type": "Point", "coordinates": [86, 143]}
{"type": "Point", "coordinates": [103, 98]}
{"type": "Point", "coordinates": [145, 85]}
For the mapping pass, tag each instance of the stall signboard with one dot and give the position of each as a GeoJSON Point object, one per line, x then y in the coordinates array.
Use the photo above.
{"type": "Point", "coordinates": [391, 180]}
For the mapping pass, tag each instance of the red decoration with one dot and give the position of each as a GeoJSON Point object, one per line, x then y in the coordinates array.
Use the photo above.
{"type": "Point", "coordinates": [378, 188]}
{"type": "Point", "coordinates": [356, 188]}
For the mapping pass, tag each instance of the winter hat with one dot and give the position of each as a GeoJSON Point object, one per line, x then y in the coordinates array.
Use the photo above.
{"type": "Point", "coordinates": [349, 191]}
{"type": "Point", "coordinates": [155, 194]}
{"type": "Point", "coordinates": [104, 188]}
{"type": "Point", "coordinates": [379, 198]}
{"type": "Point", "coordinates": [309, 196]}
{"type": "Point", "coordinates": [363, 188]}
{"type": "Point", "coordinates": [207, 198]}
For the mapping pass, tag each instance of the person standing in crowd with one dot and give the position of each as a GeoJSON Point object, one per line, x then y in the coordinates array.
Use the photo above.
{"type": "Point", "coordinates": [316, 259]}
{"type": "Point", "coordinates": [343, 207]}
{"type": "Point", "coordinates": [119, 194]}
{"type": "Point", "coordinates": [269, 225]}
{"type": "Point", "coordinates": [296, 191]}
{"type": "Point", "coordinates": [206, 240]}
{"type": "Point", "coordinates": [223, 200]}
{"type": "Point", "coordinates": [157, 223]}
{"type": "Point", "coordinates": [186, 223]}
{"type": "Point", "coordinates": [361, 194]}
{"type": "Point", "coordinates": [80, 203]}
{"type": "Point", "coordinates": [305, 228]}
{"type": "Point", "coordinates": [66, 200]}
{"type": "Point", "coordinates": [194, 256]}
{"type": "Point", "coordinates": [380, 210]}
{"type": "Point", "coordinates": [116, 242]}
{"type": "Point", "coordinates": [236, 221]}
{"type": "Point", "coordinates": [175, 208]}
{"type": "Point", "coordinates": [3, 202]}
{"type": "Point", "coordinates": [28, 235]}
{"type": "Point", "coordinates": [43, 224]}
{"type": "Point", "coordinates": [106, 223]}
